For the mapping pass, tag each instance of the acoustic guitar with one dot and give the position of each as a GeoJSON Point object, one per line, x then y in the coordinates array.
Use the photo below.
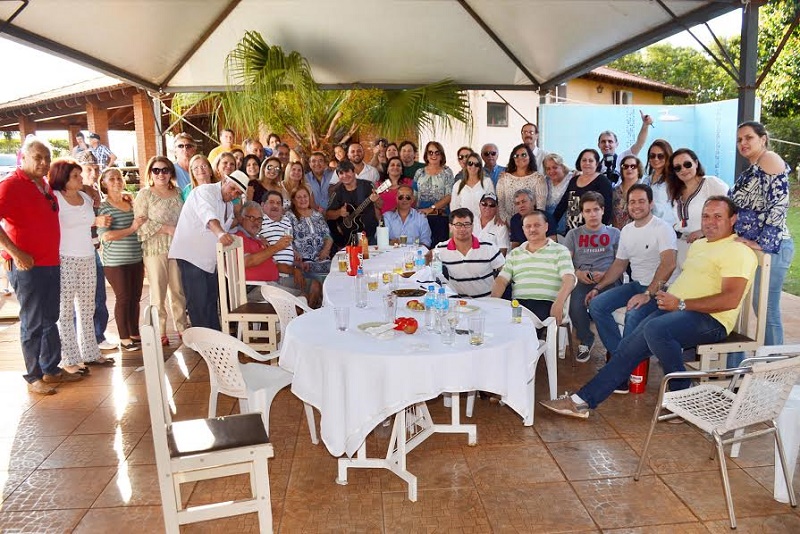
{"type": "Point", "coordinates": [343, 228]}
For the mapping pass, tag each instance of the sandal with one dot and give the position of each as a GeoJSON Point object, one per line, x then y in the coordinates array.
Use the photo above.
{"type": "Point", "coordinates": [107, 362]}
{"type": "Point", "coordinates": [130, 347]}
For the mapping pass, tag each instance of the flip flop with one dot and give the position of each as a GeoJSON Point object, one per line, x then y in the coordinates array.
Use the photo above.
{"type": "Point", "coordinates": [107, 362]}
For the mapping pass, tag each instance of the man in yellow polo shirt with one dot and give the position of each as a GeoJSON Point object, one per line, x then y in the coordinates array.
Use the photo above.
{"type": "Point", "coordinates": [700, 307]}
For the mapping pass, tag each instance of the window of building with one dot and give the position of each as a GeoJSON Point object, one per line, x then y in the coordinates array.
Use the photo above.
{"type": "Point", "coordinates": [497, 114]}
{"type": "Point", "coordinates": [623, 98]}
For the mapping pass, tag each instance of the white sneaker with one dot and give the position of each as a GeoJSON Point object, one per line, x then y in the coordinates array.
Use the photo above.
{"type": "Point", "coordinates": [584, 353]}
{"type": "Point", "coordinates": [107, 345]}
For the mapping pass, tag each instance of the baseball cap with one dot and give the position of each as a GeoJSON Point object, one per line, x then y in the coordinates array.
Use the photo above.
{"type": "Point", "coordinates": [489, 196]}
{"type": "Point", "coordinates": [94, 136]}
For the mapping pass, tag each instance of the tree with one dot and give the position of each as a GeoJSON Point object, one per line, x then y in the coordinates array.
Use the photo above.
{"type": "Point", "coordinates": [780, 91]}
{"type": "Point", "coordinates": [276, 90]}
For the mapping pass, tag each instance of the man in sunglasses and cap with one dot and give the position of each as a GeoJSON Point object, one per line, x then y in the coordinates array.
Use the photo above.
{"type": "Point", "coordinates": [206, 219]}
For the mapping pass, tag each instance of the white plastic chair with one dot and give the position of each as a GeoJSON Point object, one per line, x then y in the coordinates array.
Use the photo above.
{"type": "Point", "coordinates": [254, 384]}
{"type": "Point", "coordinates": [719, 410]}
{"type": "Point", "coordinates": [565, 329]}
{"type": "Point", "coordinates": [201, 449]}
{"type": "Point", "coordinates": [547, 347]}
{"type": "Point", "coordinates": [286, 306]}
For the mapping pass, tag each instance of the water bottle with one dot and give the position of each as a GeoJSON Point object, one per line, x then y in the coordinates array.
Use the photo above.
{"type": "Point", "coordinates": [430, 304]}
{"type": "Point", "coordinates": [442, 307]}
{"type": "Point", "coordinates": [516, 312]}
{"type": "Point", "coordinates": [436, 265]}
{"type": "Point", "coordinates": [360, 289]}
{"type": "Point", "coordinates": [419, 260]}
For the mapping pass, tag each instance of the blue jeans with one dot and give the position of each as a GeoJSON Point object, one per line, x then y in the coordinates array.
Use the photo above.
{"type": "Point", "coordinates": [579, 315]}
{"type": "Point", "coordinates": [100, 308]}
{"type": "Point", "coordinates": [202, 295]}
{"type": "Point", "coordinates": [602, 309]}
{"type": "Point", "coordinates": [662, 334]}
{"type": "Point", "coordinates": [38, 292]}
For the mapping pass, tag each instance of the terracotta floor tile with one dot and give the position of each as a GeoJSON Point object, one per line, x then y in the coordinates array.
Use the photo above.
{"type": "Point", "coordinates": [308, 477]}
{"type": "Point", "coordinates": [41, 521]}
{"type": "Point", "coordinates": [624, 502]}
{"type": "Point", "coordinates": [678, 453]}
{"type": "Point", "coordinates": [766, 477]}
{"type": "Point", "coordinates": [333, 511]}
{"type": "Point", "coordinates": [49, 489]}
{"type": "Point", "coordinates": [142, 453]}
{"type": "Point", "coordinates": [773, 524]}
{"type": "Point", "coordinates": [436, 510]}
{"type": "Point", "coordinates": [511, 465]}
{"type": "Point", "coordinates": [136, 485]}
{"type": "Point", "coordinates": [531, 508]}
{"type": "Point", "coordinates": [39, 421]}
{"type": "Point", "coordinates": [553, 427]}
{"type": "Point", "coordinates": [108, 419]}
{"type": "Point", "coordinates": [582, 460]}
{"type": "Point", "coordinates": [245, 524]}
{"type": "Point", "coordinates": [26, 452]}
{"type": "Point", "coordinates": [757, 452]}
{"type": "Point", "coordinates": [703, 493]}
{"type": "Point", "coordinates": [10, 480]}
{"type": "Point", "coordinates": [508, 433]}
{"type": "Point", "coordinates": [683, 528]}
{"type": "Point", "coordinates": [70, 398]}
{"type": "Point", "coordinates": [127, 394]}
{"type": "Point", "coordinates": [139, 518]}
{"type": "Point", "coordinates": [440, 469]}
{"type": "Point", "coordinates": [92, 450]}
{"type": "Point", "coordinates": [105, 376]}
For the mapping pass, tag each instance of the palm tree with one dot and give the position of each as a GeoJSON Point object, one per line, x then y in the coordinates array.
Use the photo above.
{"type": "Point", "coordinates": [269, 88]}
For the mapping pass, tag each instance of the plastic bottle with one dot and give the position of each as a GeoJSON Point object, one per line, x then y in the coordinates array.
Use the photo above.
{"type": "Point", "coordinates": [419, 260]}
{"type": "Point", "coordinates": [360, 289]}
{"type": "Point", "coordinates": [516, 311]}
{"type": "Point", "coordinates": [442, 307]}
{"type": "Point", "coordinates": [436, 265]}
{"type": "Point", "coordinates": [364, 245]}
{"type": "Point", "coordinates": [430, 304]}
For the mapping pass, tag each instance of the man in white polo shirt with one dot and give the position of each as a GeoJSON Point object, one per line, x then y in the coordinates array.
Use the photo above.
{"type": "Point", "coordinates": [206, 218]}
{"type": "Point", "coordinates": [469, 265]}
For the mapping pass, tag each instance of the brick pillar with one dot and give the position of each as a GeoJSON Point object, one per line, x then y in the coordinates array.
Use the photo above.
{"type": "Point", "coordinates": [27, 127]}
{"type": "Point", "coordinates": [145, 129]}
{"type": "Point", "coordinates": [72, 131]}
{"type": "Point", "coordinates": [97, 119]}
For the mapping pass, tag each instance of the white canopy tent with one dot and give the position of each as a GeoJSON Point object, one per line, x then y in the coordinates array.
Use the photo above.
{"type": "Point", "coordinates": [180, 45]}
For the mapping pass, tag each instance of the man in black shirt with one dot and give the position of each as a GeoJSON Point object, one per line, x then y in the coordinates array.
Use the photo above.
{"type": "Point", "coordinates": [346, 198]}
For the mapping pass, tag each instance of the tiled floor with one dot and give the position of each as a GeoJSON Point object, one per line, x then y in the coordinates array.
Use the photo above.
{"type": "Point", "coordinates": [82, 461]}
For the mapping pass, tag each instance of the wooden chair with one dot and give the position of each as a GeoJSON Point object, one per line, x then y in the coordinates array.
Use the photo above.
{"type": "Point", "coordinates": [256, 321]}
{"type": "Point", "coordinates": [748, 333]}
{"type": "Point", "coordinates": [201, 449]}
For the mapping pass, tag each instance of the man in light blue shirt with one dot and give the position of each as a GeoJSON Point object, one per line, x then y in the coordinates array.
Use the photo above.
{"type": "Point", "coordinates": [185, 148]}
{"type": "Point", "coordinates": [491, 169]}
{"type": "Point", "coordinates": [319, 180]}
{"type": "Point", "coordinates": [405, 220]}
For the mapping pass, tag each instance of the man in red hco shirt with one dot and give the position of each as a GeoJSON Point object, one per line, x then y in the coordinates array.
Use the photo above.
{"type": "Point", "coordinates": [30, 238]}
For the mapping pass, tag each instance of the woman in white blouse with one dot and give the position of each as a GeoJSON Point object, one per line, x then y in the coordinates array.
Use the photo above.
{"type": "Point", "coordinates": [469, 190]}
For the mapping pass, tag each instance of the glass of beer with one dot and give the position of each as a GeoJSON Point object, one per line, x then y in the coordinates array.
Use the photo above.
{"type": "Point", "coordinates": [477, 324]}
{"type": "Point", "coordinates": [341, 257]}
{"type": "Point", "coordinates": [408, 264]}
{"type": "Point", "coordinates": [372, 281]}
{"type": "Point", "coordinates": [386, 277]}
{"type": "Point", "coordinates": [403, 240]}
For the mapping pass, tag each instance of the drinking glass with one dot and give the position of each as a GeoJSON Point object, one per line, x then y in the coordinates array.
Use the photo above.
{"type": "Point", "coordinates": [389, 307]}
{"type": "Point", "coordinates": [477, 323]}
{"type": "Point", "coordinates": [408, 263]}
{"type": "Point", "coordinates": [386, 277]}
{"type": "Point", "coordinates": [403, 240]}
{"type": "Point", "coordinates": [342, 316]}
{"type": "Point", "coordinates": [448, 328]}
{"type": "Point", "coordinates": [372, 281]}
{"type": "Point", "coordinates": [341, 258]}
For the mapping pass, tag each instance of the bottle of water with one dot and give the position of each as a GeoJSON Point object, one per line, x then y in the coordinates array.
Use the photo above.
{"type": "Point", "coordinates": [516, 312]}
{"type": "Point", "coordinates": [419, 260]}
{"type": "Point", "coordinates": [436, 265]}
{"type": "Point", "coordinates": [430, 304]}
{"type": "Point", "coordinates": [442, 307]}
{"type": "Point", "coordinates": [360, 289]}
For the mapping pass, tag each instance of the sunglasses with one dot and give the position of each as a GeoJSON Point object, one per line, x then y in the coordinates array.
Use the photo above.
{"type": "Point", "coordinates": [488, 204]}
{"type": "Point", "coordinates": [272, 168]}
{"type": "Point", "coordinates": [404, 197]}
{"type": "Point", "coordinates": [473, 164]}
{"type": "Point", "coordinates": [160, 170]}
{"type": "Point", "coordinates": [492, 153]}
{"type": "Point", "coordinates": [52, 200]}
{"type": "Point", "coordinates": [461, 156]}
{"type": "Point", "coordinates": [659, 155]}
{"type": "Point", "coordinates": [434, 153]}
{"type": "Point", "coordinates": [686, 165]}
{"type": "Point", "coordinates": [461, 225]}
{"type": "Point", "coordinates": [184, 146]}
{"type": "Point", "coordinates": [630, 166]}
{"type": "Point", "coordinates": [521, 155]}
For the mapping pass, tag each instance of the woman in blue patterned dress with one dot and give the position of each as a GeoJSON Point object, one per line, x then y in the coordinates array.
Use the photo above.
{"type": "Point", "coordinates": [312, 242]}
{"type": "Point", "coordinates": [761, 193]}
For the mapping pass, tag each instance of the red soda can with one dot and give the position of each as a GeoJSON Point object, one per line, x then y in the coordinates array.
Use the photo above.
{"type": "Point", "coordinates": [638, 379]}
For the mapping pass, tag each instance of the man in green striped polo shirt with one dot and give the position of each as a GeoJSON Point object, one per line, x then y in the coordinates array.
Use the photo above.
{"type": "Point", "coordinates": [540, 270]}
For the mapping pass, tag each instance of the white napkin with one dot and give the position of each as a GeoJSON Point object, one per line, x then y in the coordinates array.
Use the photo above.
{"type": "Point", "coordinates": [384, 331]}
{"type": "Point", "coordinates": [424, 275]}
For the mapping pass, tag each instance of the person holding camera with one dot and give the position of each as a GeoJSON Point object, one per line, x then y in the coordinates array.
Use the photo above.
{"type": "Point", "coordinates": [608, 143]}
{"type": "Point", "coordinates": [589, 179]}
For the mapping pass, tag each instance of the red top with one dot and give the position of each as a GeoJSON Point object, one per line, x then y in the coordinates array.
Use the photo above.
{"type": "Point", "coordinates": [265, 272]}
{"type": "Point", "coordinates": [30, 218]}
{"type": "Point", "coordinates": [390, 195]}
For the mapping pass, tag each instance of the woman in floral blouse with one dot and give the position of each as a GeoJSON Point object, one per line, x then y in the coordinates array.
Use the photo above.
{"type": "Point", "coordinates": [434, 184]}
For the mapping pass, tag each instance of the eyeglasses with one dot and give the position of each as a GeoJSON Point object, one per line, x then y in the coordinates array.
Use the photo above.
{"type": "Point", "coordinates": [488, 204]}
{"type": "Point", "coordinates": [199, 168]}
{"type": "Point", "coordinates": [629, 166]}
{"type": "Point", "coordinates": [521, 155]}
{"type": "Point", "coordinates": [491, 153]}
{"type": "Point", "coordinates": [404, 197]}
{"type": "Point", "coordinates": [252, 218]}
{"type": "Point", "coordinates": [685, 165]}
{"type": "Point", "coordinates": [434, 153]}
{"type": "Point", "coordinates": [182, 145]}
{"type": "Point", "coordinates": [529, 131]}
{"type": "Point", "coordinates": [657, 155]}
{"type": "Point", "coordinates": [52, 200]}
{"type": "Point", "coordinates": [461, 225]}
{"type": "Point", "coordinates": [272, 167]}
{"type": "Point", "coordinates": [460, 156]}
{"type": "Point", "coordinates": [473, 164]}
{"type": "Point", "coordinates": [161, 170]}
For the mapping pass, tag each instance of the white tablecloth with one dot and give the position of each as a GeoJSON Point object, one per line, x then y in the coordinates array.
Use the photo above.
{"type": "Point", "coordinates": [357, 381]}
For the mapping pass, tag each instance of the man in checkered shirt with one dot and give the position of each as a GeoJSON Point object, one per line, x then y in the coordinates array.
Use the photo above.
{"type": "Point", "coordinates": [103, 155]}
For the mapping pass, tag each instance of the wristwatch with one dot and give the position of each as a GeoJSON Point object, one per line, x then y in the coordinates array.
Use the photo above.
{"type": "Point", "coordinates": [650, 294]}
{"type": "Point", "coordinates": [681, 305]}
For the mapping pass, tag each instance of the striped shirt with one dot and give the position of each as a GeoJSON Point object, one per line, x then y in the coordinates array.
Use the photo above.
{"type": "Point", "coordinates": [123, 251]}
{"type": "Point", "coordinates": [272, 231]}
{"type": "Point", "coordinates": [537, 275]}
{"type": "Point", "coordinates": [470, 275]}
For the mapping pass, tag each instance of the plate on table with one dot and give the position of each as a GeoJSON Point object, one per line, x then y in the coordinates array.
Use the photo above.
{"type": "Point", "coordinates": [363, 326]}
{"type": "Point", "coordinates": [467, 308]}
{"type": "Point", "coordinates": [404, 293]}
{"type": "Point", "coordinates": [407, 274]}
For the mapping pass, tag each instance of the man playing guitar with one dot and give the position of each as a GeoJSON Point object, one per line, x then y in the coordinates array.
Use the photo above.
{"type": "Point", "coordinates": [346, 197]}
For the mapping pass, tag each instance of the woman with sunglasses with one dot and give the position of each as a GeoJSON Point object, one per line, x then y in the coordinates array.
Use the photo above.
{"type": "Point", "coordinates": [122, 257]}
{"type": "Point", "coordinates": [558, 176]}
{"type": "Point", "coordinates": [521, 173]}
{"type": "Point", "coordinates": [161, 204]}
{"type": "Point", "coordinates": [468, 192]}
{"type": "Point", "coordinates": [78, 270]}
{"type": "Point", "coordinates": [689, 187]}
{"type": "Point", "coordinates": [462, 153]}
{"type": "Point", "coordinates": [269, 180]}
{"type": "Point", "coordinates": [434, 184]}
{"type": "Point", "coordinates": [657, 159]}
{"type": "Point", "coordinates": [632, 172]}
{"type": "Point", "coordinates": [200, 173]}
{"type": "Point", "coordinates": [761, 193]}
{"type": "Point", "coordinates": [588, 179]}
{"type": "Point", "coordinates": [394, 173]}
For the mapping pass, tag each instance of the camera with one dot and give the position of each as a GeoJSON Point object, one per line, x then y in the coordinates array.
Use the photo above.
{"type": "Point", "coordinates": [610, 162]}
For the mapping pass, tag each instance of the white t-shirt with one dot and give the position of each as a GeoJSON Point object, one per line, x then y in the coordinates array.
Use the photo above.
{"type": "Point", "coordinates": [470, 197]}
{"type": "Point", "coordinates": [494, 233]}
{"type": "Point", "coordinates": [76, 227]}
{"type": "Point", "coordinates": [368, 173]}
{"type": "Point", "coordinates": [643, 246]}
{"type": "Point", "coordinates": [193, 241]}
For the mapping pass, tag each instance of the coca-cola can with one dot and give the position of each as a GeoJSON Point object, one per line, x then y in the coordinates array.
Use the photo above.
{"type": "Point", "coordinates": [638, 380]}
